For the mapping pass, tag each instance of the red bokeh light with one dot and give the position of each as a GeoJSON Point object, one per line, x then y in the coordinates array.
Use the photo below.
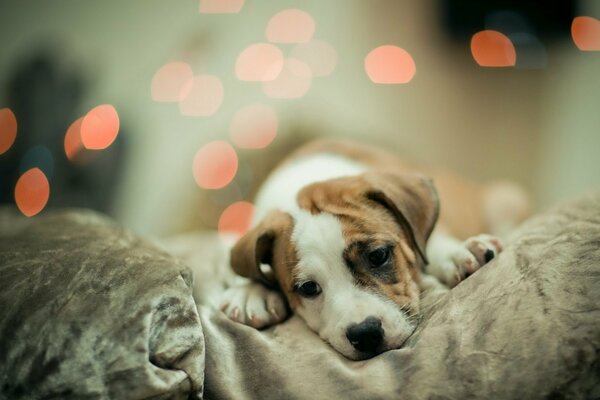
{"type": "Point", "coordinates": [320, 56]}
{"type": "Point", "coordinates": [293, 82]}
{"type": "Point", "coordinates": [493, 49]}
{"type": "Point", "coordinates": [259, 62]}
{"type": "Point", "coordinates": [235, 220]}
{"type": "Point", "coordinates": [8, 129]}
{"type": "Point", "coordinates": [586, 33]}
{"type": "Point", "coordinates": [390, 65]}
{"type": "Point", "coordinates": [73, 142]}
{"type": "Point", "coordinates": [254, 126]}
{"type": "Point", "coordinates": [100, 127]}
{"type": "Point", "coordinates": [290, 26]}
{"type": "Point", "coordinates": [168, 82]}
{"type": "Point", "coordinates": [220, 6]}
{"type": "Point", "coordinates": [202, 96]}
{"type": "Point", "coordinates": [215, 165]}
{"type": "Point", "coordinates": [32, 192]}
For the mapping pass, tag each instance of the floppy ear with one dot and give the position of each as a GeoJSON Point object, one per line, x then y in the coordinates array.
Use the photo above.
{"type": "Point", "coordinates": [256, 247]}
{"type": "Point", "coordinates": [413, 201]}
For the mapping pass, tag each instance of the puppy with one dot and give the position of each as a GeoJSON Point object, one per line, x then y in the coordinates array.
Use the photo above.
{"type": "Point", "coordinates": [353, 240]}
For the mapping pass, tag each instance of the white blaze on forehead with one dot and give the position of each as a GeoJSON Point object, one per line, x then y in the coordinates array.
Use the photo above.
{"type": "Point", "coordinates": [320, 245]}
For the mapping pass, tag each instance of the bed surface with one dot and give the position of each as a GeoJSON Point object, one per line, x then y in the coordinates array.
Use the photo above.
{"type": "Point", "coordinates": [89, 310]}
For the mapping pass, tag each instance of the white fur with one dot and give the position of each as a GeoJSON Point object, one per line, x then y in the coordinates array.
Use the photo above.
{"type": "Point", "coordinates": [281, 188]}
{"type": "Point", "coordinates": [320, 244]}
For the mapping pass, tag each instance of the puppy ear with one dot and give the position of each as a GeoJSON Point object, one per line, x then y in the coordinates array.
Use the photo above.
{"type": "Point", "coordinates": [413, 201]}
{"type": "Point", "coordinates": [256, 247]}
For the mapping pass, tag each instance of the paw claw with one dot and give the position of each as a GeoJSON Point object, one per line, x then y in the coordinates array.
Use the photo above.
{"type": "Point", "coordinates": [489, 255]}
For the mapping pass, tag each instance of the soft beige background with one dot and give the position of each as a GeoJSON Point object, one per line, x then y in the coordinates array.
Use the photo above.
{"type": "Point", "coordinates": [538, 127]}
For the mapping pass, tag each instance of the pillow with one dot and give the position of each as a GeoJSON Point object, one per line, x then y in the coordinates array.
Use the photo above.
{"type": "Point", "coordinates": [526, 326]}
{"type": "Point", "coordinates": [88, 310]}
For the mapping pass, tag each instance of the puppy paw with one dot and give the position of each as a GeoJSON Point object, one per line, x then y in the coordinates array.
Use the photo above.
{"type": "Point", "coordinates": [462, 259]}
{"type": "Point", "coordinates": [254, 305]}
{"type": "Point", "coordinates": [484, 248]}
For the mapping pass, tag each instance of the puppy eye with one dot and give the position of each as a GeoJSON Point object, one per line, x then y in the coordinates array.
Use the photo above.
{"type": "Point", "coordinates": [309, 289]}
{"type": "Point", "coordinates": [379, 257]}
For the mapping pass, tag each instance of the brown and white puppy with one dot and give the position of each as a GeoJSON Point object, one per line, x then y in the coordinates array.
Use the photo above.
{"type": "Point", "coordinates": [343, 236]}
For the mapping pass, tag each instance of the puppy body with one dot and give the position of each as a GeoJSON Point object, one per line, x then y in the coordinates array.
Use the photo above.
{"type": "Point", "coordinates": [342, 234]}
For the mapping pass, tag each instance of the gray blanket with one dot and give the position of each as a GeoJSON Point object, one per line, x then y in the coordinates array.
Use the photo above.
{"type": "Point", "coordinates": [87, 310]}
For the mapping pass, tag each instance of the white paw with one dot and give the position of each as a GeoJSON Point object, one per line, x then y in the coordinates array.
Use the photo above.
{"type": "Point", "coordinates": [462, 259]}
{"type": "Point", "coordinates": [253, 304]}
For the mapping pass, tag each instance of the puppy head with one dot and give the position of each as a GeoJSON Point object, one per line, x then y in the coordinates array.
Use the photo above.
{"type": "Point", "coordinates": [349, 258]}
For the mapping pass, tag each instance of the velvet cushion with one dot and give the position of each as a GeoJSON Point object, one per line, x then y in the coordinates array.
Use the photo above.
{"type": "Point", "coordinates": [89, 310]}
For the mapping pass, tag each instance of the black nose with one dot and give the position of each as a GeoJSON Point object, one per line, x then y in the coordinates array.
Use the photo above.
{"type": "Point", "coordinates": [366, 336]}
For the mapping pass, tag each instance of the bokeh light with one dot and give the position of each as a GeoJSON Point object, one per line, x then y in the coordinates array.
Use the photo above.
{"type": "Point", "coordinates": [254, 126]}
{"type": "Point", "coordinates": [32, 192]}
{"type": "Point", "coordinates": [290, 26]}
{"type": "Point", "coordinates": [100, 127]}
{"type": "Point", "coordinates": [8, 129]}
{"type": "Point", "coordinates": [235, 220]}
{"type": "Point", "coordinates": [293, 82]}
{"type": "Point", "coordinates": [168, 82]}
{"type": "Point", "coordinates": [493, 49]}
{"type": "Point", "coordinates": [390, 65]}
{"type": "Point", "coordinates": [202, 96]}
{"type": "Point", "coordinates": [259, 62]}
{"type": "Point", "coordinates": [220, 6]}
{"type": "Point", "coordinates": [586, 33]}
{"type": "Point", "coordinates": [320, 56]}
{"type": "Point", "coordinates": [215, 165]}
{"type": "Point", "coordinates": [73, 142]}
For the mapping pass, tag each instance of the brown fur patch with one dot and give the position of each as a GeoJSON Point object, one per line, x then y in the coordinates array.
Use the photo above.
{"type": "Point", "coordinates": [367, 226]}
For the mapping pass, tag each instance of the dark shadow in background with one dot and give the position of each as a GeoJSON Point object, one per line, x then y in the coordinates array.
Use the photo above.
{"type": "Point", "coordinates": [46, 97]}
{"type": "Point", "coordinates": [550, 19]}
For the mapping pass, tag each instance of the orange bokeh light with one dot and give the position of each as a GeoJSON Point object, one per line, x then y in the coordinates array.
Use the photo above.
{"type": "Point", "coordinates": [220, 6]}
{"type": "Point", "coordinates": [320, 56]}
{"type": "Point", "coordinates": [73, 142]}
{"type": "Point", "coordinates": [254, 126]}
{"type": "Point", "coordinates": [168, 82]}
{"type": "Point", "coordinates": [290, 26]}
{"type": "Point", "coordinates": [390, 65]}
{"type": "Point", "coordinates": [32, 192]}
{"type": "Point", "coordinates": [235, 220]}
{"type": "Point", "coordinates": [586, 33]}
{"type": "Point", "coordinates": [202, 96]}
{"type": "Point", "coordinates": [493, 49]}
{"type": "Point", "coordinates": [259, 62]}
{"type": "Point", "coordinates": [215, 165]}
{"type": "Point", "coordinates": [100, 127]}
{"type": "Point", "coordinates": [293, 82]}
{"type": "Point", "coordinates": [8, 129]}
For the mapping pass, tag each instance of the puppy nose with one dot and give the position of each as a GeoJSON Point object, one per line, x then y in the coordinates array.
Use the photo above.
{"type": "Point", "coordinates": [366, 336]}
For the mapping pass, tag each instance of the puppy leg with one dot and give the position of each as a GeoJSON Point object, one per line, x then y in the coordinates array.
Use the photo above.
{"type": "Point", "coordinates": [253, 304]}
{"type": "Point", "coordinates": [451, 261]}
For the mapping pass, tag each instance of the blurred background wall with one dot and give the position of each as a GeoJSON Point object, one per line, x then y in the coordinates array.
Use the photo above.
{"type": "Point", "coordinates": [536, 122]}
